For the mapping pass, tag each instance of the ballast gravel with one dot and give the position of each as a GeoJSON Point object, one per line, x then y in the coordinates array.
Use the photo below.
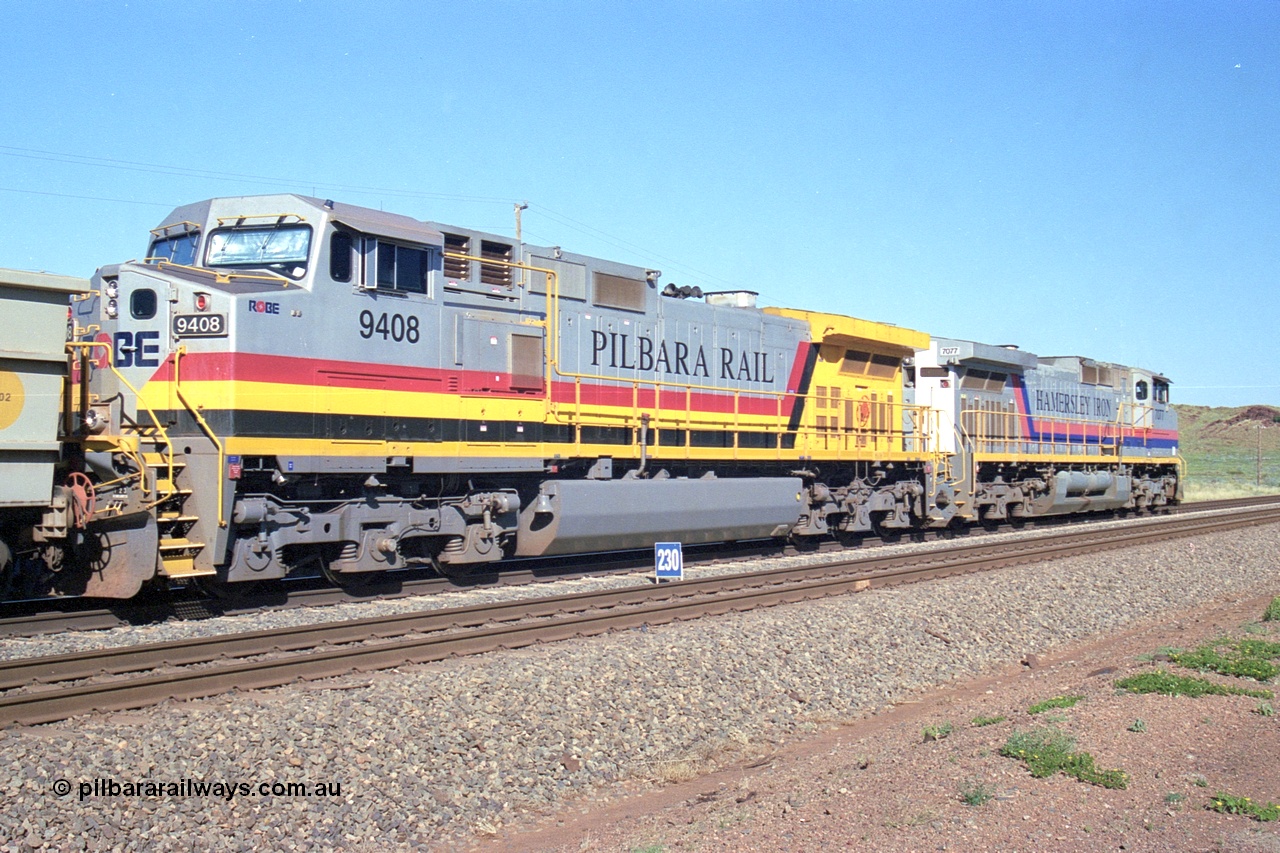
{"type": "Point", "coordinates": [435, 757]}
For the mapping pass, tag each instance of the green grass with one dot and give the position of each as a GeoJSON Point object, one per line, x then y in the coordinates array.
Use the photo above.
{"type": "Point", "coordinates": [1055, 702]}
{"type": "Point", "coordinates": [1198, 489]}
{"type": "Point", "coordinates": [976, 795]}
{"type": "Point", "coordinates": [1272, 613]}
{"type": "Point", "coordinates": [1166, 651]}
{"type": "Point", "coordinates": [1227, 804]}
{"type": "Point", "coordinates": [979, 722]}
{"type": "Point", "coordinates": [1048, 751]}
{"type": "Point", "coordinates": [1168, 684]}
{"type": "Point", "coordinates": [1246, 658]}
{"type": "Point", "coordinates": [1220, 446]}
{"type": "Point", "coordinates": [937, 732]}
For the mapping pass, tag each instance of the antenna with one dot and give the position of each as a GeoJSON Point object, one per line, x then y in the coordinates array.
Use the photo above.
{"type": "Point", "coordinates": [524, 205]}
{"type": "Point", "coordinates": [520, 206]}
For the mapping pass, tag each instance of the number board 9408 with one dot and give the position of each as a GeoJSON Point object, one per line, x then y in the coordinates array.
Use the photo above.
{"type": "Point", "coordinates": [200, 325]}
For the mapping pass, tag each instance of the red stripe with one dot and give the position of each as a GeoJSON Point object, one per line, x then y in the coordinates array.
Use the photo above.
{"type": "Point", "coordinates": [292, 370]}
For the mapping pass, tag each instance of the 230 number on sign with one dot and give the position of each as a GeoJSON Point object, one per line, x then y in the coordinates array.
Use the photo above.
{"type": "Point", "coordinates": [668, 561]}
{"type": "Point", "coordinates": [394, 327]}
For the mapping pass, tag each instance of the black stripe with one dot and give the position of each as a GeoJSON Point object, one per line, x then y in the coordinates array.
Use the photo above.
{"type": "Point", "coordinates": [253, 423]}
{"type": "Point", "coordinates": [806, 377]}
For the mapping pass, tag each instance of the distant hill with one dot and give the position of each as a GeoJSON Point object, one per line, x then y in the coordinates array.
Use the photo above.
{"type": "Point", "coordinates": [1221, 445]}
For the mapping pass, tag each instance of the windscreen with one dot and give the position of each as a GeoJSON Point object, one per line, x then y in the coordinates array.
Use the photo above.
{"type": "Point", "coordinates": [281, 248]}
{"type": "Point", "coordinates": [179, 249]}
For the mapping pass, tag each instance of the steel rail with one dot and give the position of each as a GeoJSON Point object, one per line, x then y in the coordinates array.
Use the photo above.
{"type": "Point", "coordinates": [596, 613]}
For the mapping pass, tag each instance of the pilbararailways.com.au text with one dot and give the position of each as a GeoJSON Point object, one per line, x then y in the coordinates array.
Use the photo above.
{"type": "Point", "coordinates": [185, 788]}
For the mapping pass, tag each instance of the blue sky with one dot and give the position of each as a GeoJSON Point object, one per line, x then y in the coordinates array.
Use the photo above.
{"type": "Point", "coordinates": [1094, 178]}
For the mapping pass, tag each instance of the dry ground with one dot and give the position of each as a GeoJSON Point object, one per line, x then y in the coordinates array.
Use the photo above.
{"type": "Point", "coordinates": [877, 784]}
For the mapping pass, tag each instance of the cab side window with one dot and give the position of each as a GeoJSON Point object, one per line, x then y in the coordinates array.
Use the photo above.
{"type": "Point", "coordinates": [340, 246]}
{"type": "Point", "coordinates": [142, 304]}
{"type": "Point", "coordinates": [402, 268]}
{"type": "Point", "coordinates": [1141, 390]}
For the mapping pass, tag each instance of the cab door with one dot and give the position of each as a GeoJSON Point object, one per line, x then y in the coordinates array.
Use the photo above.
{"type": "Point", "coordinates": [1141, 388]}
{"type": "Point", "coordinates": [142, 339]}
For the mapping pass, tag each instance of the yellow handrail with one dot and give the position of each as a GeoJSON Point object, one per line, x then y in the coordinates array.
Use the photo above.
{"type": "Point", "coordinates": [278, 217]}
{"type": "Point", "coordinates": [186, 225]}
{"type": "Point", "coordinates": [204, 425]}
{"type": "Point", "coordinates": [688, 419]}
{"type": "Point", "coordinates": [164, 435]}
{"type": "Point", "coordinates": [219, 277]}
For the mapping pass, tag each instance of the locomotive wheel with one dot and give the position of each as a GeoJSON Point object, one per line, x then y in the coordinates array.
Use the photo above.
{"type": "Point", "coordinates": [350, 580]}
{"type": "Point", "coordinates": [989, 524]}
{"type": "Point", "coordinates": [955, 528]}
{"type": "Point", "coordinates": [887, 535]}
{"type": "Point", "coordinates": [848, 538]}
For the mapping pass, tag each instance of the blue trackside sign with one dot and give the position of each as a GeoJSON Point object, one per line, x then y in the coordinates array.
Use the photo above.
{"type": "Point", "coordinates": [668, 561]}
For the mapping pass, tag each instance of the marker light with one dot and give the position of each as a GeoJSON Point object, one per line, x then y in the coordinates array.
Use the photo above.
{"type": "Point", "coordinates": [113, 308]}
{"type": "Point", "coordinates": [202, 302]}
{"type": "Point", "coordinates": [113, 289]}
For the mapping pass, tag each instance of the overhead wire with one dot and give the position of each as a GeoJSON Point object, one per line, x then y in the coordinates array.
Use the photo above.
{"type": "Point", "coordinates": [561, 219]}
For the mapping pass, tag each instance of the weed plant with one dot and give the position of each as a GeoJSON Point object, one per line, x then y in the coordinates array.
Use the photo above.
{"type": "Point", "coordinates": [976, 795]}
{"type": "Point", "coordinates": [979, 722]}
{"type": "Point", "coordinates": [1056, 702]}
{"type": "Point", "coordinates": [1048, 751]}
{"type": "Point", "coordinates": [937, 732]}
{"type": "Point", "coordinates": [1227, 804]}
{"type": "Point", "coordinates": [1168, 684]}
{"type": "Point", "coordinates": [1246, 658]}
{"type": "Point", "coordinates": [1272, 613]}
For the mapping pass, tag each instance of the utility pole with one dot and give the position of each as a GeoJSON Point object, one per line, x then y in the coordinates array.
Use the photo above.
{"type": "Point", "coordinates": [1259, 453]}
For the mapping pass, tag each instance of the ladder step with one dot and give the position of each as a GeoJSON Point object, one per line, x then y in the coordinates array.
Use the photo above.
{"type": "Point", "coordinates": [179, 545]}
{"type": "Point", "coordinates": [176, 517]}
{"type": "Point", "coordinates": [184, 567]}
{"type": "Point", "coordinates": [159, 460]}
{"type": "Point", "coordinates": [178, 558]}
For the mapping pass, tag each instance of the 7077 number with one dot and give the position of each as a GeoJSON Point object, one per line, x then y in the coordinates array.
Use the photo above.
{"type": "Point", "coordinates": [394, 327]}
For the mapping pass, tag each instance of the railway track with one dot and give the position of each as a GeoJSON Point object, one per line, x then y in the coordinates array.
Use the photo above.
{"type": "Point", "coordinates": [73, 684]}
{"type": "Point", "coordinates": [42, 618]}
